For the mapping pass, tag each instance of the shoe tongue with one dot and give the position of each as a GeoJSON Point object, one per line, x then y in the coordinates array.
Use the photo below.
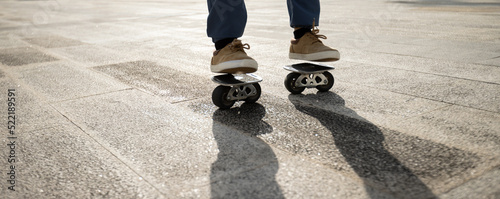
{"type": "Point", "coordinates": [238, 46]}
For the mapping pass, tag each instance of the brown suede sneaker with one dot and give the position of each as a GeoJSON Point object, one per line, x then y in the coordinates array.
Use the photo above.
{"type": "Point", "coordinates": [310, 48]}
{"type": "Point", "coordinates": [233, 59]}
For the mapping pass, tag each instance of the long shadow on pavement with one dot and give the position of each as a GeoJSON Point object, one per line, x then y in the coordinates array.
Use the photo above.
{"type": "Point", "coordinates": [361, 144]}
{"type": "Point", "coordinates": [246, 166]}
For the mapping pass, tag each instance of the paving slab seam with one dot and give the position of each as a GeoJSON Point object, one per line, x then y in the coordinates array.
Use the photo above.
{"type": "Point", "coordinates": [449, 104]}
{"type": "Point", "coordinates": [406, 55]}
{"type": "Point", "coordinates": [117, 80]}
{"type": "Point", "coordinates": [93, 95]}
{"type": "Point", "coordinates": [48, 127]}
{"type": "Point", "coordinates": [44, 50]}
{"type": "Point", "coordinates": [186, 100]}
{"type": "Point", "coordinates": [498, 66]}
{"type": "Point", "coordinates": [422, 72]}
{"type": "Point", "coordinates": [19, 83]}
{"type": "Point", "coordinates": [441, 75]}
{"type": "Point", "coordinates": [430, 111]}
{"type": "Point", "coordinates": [494, 57]}
{"type": "Point", "coordinates": [112, 152]}
{"type": "Point", "coordinates": [473, 178]}
{"type": "Point", "coordinates": [416, 96]}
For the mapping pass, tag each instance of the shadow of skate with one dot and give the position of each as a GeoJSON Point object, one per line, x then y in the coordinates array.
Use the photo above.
{"type": "Point", "coordinates": [361, 144]}
{"type": "Point", "coordinates": [245, 166]}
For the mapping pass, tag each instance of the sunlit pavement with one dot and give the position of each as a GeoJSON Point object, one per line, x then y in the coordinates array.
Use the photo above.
{"type": "Point", "coordinates": [112, 99]}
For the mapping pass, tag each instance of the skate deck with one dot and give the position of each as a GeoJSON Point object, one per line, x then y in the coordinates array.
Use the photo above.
{"type": "Point", "coordinates": [236, 79]}
{"type": "Point", "coordinates": [308, 68]}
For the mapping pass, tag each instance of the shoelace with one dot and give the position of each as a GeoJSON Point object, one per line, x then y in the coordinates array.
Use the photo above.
{"type": "Point", "coordinates": [315, 31]}
{"type": "Point", "coordinates": [238, 46]}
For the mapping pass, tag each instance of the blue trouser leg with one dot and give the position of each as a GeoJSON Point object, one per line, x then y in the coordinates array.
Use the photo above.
{"type": "Point", "coordinates": [226, 19]}
{"type": "Point", "coordinates": [303, 12]}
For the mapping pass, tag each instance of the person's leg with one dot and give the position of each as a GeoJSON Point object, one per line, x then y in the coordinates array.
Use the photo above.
{"type": "Point", "coordinates": [304, 17]}
{"type": "Point", "coordinates": [226, 20]}
{"type": "Point", "coordinates": [303, 12]}
{"type": "Point", "coordinates": [225, 23]}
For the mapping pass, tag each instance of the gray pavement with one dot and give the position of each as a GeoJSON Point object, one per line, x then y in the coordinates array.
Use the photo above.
{"type": "Point", "coordinates": [112, 100]}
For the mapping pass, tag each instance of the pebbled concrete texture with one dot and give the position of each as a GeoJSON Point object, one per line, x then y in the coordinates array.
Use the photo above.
{"type": "Point", "coordinates": [52, 41]}
{"type": "Point", "coordinates": [113, 101]}
{"type": "Point", "coordinates": [71, 160]}
{"type": "Point", "coordinates": [23, 56]}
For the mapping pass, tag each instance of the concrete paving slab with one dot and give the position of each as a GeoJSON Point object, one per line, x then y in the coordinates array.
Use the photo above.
{"type": "Point", "coordinates": [63, 80]}
{"type": "Point", "coordinates": [53, 41]}
{"type": "Point", "coordinates": [245, 167]}
{"type": "Point", "coordinates": [295, 174]}
{"type": "Point", "coordinates": [10, 41]}
{"type": "Point", "coordinates": [24, 30]}
{"type": "Point", "coordinates": [487, 46]}
{"type": "Point", "coordinates": [73, 166]}
{"type": "Point", "coordinates": [95, 33]}
{"type": "Point", "coordinates": [446, 89]}
{"type": "Point", "coordinates": [456, 69]}
{"type": "Point", "coordinates": [382, 108]}
{"type": "Point", "coordinates": [488, 185]}
{"type": "Point", "coordinates": [23, 56]}
{"type": "Point", "coordinates": [36, 114]}
{"type": "Point", "coordinates": [159, 80]}
{"type": "Point", "coordinates": [91, 55]}
{"type": "Point", "coordinates": [386, 21]}
{"type": "Point", "coordinates": [461, 55]}
{"type": "Point", "coordinates": [493, 62]}
{"type": "Point", "coordinates": [168, 140]}
{"type": "Point", "coordinates": [441, 52]}
{"type": "Point", "coordinates": [6, 24]}
{"type": "Point", "coordinates": [465, 128]}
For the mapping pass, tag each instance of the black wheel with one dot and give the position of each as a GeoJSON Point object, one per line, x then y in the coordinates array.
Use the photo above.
{"type": "Point", "coordinates": [256, 97]}
{"type": "Point", "coordinates": [290, 83]}
{"type": "Point", "coordinates": [329, 77]}
{"type": "Point", "coordinates": [219, 97]}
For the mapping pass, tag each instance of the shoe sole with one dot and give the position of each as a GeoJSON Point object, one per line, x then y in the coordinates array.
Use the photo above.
{"type": "Point", "coordinates": [236, 66]}
{"type": "Point", "coordinates": [319, 56]}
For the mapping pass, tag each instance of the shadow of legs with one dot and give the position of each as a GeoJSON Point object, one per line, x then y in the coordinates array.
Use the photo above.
{"type": "Point", "coordinates": [361, 144]}
{"type": "Point", "coordinates": [246, 166]}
